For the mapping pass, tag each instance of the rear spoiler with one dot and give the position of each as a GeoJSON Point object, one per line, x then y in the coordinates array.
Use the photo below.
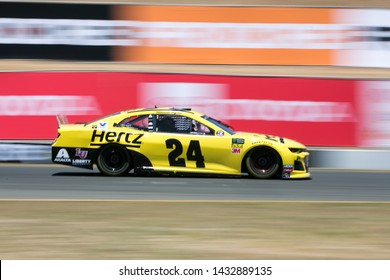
{"type": "Point", "coordinates": [61, 119]}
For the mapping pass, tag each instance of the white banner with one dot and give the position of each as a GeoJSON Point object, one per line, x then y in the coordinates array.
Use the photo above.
{"type": "Point", "coordinates": [48, 105]}
{"type": "Point", "coordinates": [199, 269]}
{"type": "Point", "coordinates": [372, 49]}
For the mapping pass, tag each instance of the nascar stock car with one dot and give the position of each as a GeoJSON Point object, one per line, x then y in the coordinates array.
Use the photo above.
{"type": "Point", "coordinates": [175, 140]}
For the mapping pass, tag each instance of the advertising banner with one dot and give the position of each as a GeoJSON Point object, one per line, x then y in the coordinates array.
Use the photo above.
{"type": "Point", "coordinates": [314, 111]}
{"type": "Point", "coordinates": [54, 31]}
{"type": "Point", "coordinates": [319, 112]}
{"type": "Point", "coordinates": [229, 35]}
{"type": "Point", "coordinates": [196, 34]}
{"type": "Point", "coordinates": [29, 102]}
{"type": "Point", "coordinates": [373, 99]}
{"type": "Point", "coordinates": [373, 47]}
{"type": "Point", "coordinates": [256, 35]}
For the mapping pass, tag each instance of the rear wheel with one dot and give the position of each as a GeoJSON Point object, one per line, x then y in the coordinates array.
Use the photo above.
{"type": "Point", "coordinates": [114, 160]}
{"type": "Point", "coordinates": [262, 162]}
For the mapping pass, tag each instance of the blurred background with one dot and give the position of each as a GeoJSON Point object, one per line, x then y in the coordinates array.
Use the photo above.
{"type": "Point", "coordinates": [316, 71]}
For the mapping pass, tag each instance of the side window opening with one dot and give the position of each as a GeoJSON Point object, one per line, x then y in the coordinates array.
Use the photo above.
{"type": "Point", "coordinates": [137, 122]}
{"type": "Point", "coordinates": [165, 123]}
{"type": "Point", "coordinates": [181, 124]}
{"type": "Point", "coordinates": [200, 129]}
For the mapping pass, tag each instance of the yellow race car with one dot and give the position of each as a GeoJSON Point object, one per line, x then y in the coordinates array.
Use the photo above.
{"type": "Point", "coordinates": [175, 140]}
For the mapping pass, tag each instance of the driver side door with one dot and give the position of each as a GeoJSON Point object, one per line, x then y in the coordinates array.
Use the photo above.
{"type": "Point", "coordinates": [176, 146]}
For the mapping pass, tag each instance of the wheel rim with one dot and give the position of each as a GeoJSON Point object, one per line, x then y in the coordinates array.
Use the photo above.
{"type": "Point", "coordinates": [263, 162]}
{"type": "Point", "coordinates": [113, 160]}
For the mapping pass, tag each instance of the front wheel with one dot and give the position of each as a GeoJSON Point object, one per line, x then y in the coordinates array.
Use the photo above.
{"type": "Point", "coordinates": [114, 160]}
{"type": "Point", "coordinates": [262, 162]}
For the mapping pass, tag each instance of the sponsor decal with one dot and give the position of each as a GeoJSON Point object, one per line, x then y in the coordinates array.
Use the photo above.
{"type": "Point", "coordinates": [115, 137]}
{"type": "Point", "coordinates": [270, 137]}
{"type": "Point", "coordinates": [102, 126]}
{"type": "Point", "coordinates": [75, 157]}
{"type": "Point", "coordinates": [239, 146]}
{"type": "Point", "coordinates": [81, 154]}
{"type": "Point", "coordinates": [238, 143]}
{"type": "Point", "coordinates": [62, 156]}
{"type": "Point", "coordinates": [81, 162]}
{"type": "Point", "coordinates": [236, 151]}
{"type": "Point", "coordinates": [260, 142]}
{"type": "Point", "coordinates": [288, 168]}
{"type": "Point", "coordinates": [220, 133]}
{"type": "Point", "coordinates": [274, 138]}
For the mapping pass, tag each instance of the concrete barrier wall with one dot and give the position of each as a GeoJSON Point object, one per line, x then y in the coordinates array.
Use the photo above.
{"type": "Point", "coordinates": [368, 159]}
{"type": "Point", "coordinates": [20, 152]}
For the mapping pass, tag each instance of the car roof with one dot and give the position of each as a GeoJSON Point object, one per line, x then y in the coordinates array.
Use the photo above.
{"type": "Point", "coordinates": [163, 110]}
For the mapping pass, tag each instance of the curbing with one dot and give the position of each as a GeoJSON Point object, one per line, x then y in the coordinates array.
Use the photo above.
{"type": "Point", "coordinates": [327, 158]}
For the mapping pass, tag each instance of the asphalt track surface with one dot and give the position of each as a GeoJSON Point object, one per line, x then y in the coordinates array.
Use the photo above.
{"type": "Point", "coordinates": [49, 181]}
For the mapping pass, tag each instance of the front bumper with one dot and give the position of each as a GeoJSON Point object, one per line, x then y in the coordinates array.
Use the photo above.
{"type": "Point", "coordinates": [297, 169]}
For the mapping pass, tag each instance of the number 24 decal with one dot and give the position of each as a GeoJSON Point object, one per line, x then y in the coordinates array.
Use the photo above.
{"type": "Point", "coordinates": [194, 153]}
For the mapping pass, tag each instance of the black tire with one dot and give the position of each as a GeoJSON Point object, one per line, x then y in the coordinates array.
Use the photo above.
{"type": "Point", "coordinates": [262, 163]}
{"type": "Point", "coordinates": [114, 160]}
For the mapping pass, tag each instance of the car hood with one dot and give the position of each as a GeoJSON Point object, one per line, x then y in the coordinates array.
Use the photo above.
{"type": "Point", "coordinates": [269, 138]}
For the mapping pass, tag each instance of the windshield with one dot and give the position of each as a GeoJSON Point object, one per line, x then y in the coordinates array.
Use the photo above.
{"type": "Point", "coordinates": [220, 124]}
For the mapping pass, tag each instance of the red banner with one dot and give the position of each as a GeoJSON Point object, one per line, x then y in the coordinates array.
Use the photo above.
{"type": "Point", "coordinates": [317, 112]}
{"type": "Point", "coordinates": [30, 101]}
{"type": "Point", "coordinates": [314, 111]}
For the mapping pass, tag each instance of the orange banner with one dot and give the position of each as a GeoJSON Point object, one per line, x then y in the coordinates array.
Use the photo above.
{"type": "Point", "coordinates": [223, 14]}
{"type": "Point", "coordinates": [229, 35]}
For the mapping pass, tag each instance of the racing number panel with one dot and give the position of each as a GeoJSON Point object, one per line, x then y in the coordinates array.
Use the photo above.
{"type": "Point", "coordinates": [194, 153]}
